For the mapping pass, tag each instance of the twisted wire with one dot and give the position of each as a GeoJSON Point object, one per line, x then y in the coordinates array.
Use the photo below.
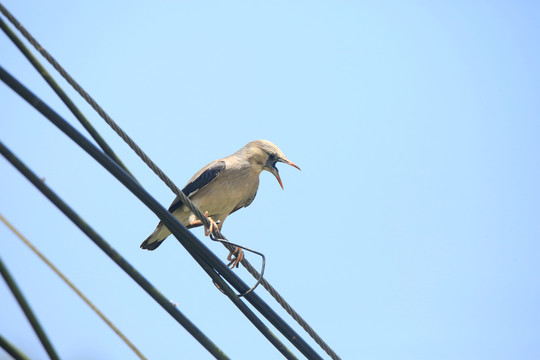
{"type": "Point", "coordinates": [285, 305]}
{"type": "Point", "coordinates": [185, 200]}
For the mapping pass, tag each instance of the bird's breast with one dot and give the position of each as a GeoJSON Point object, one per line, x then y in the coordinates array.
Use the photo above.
{"type": "Point", "coordinates": [231, 188]}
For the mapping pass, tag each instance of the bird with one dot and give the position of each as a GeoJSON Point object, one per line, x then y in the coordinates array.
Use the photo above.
{"type": "Point", "coordinates": [221, 188]}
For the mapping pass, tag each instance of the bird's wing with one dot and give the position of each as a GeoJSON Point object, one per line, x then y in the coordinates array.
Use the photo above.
{"type": "Point", "coordinates": [204, 177]}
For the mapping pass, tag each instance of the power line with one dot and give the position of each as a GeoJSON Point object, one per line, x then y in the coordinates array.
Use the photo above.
{"type": "Point", "coordinates": [61, 94]}
{"type": "Point", "coordinates": [12, 349]}
{"type": "Point", "coordinates": [72, 286]}
{"type": "Point", "coordinates": [206, 259]}
{"type": "Point", "coordinates": [38, 329]}
{"type": "Point", "coordinates": [165, 179]}
{"type": "Point", "coordinates": [115, 256]}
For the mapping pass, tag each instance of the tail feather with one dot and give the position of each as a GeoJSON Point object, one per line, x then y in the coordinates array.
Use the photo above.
{"type": "Point", "coordinates": [156, 238]}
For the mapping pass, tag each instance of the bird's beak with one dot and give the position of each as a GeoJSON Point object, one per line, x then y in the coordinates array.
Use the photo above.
{"type": "Point", "coordinates": [276, 174]}
{"type": "Point", "coordinates": [275, 171]}
{"type": "Point", "coordinates": [291, 163]}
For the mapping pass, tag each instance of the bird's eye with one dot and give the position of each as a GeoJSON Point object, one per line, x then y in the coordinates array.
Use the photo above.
{"type": "Point", "coordinates": [271, 157]}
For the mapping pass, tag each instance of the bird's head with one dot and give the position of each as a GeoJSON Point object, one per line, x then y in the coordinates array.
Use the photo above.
{"type": "Point", "coordinates": [267, 155]}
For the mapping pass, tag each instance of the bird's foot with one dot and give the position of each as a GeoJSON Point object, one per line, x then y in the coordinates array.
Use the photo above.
{"type": "Point", "coordinates": [238, 256]}
{"type": "Point", "coordinates": [207, 231]}
{"type": "Point", "coordinates": [213, 225]}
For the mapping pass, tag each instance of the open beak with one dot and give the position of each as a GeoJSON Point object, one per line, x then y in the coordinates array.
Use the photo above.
{"type": "Point", "coordinates": [278, 179]}
{"type": "Point", "coordinates": [276, 172]}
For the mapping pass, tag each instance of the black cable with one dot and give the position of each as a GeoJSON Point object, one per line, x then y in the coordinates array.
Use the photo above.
{"type": "Point", "coordinates": [28, 312]}
{"type": "Point", "coordinates": [133, 273]}
{"type": "Point", "coordinates": [116, 257]}
{"type": "Point", "coordinates": [91, 130]}
{"type": "Point", "coordinates": [61, 94]}
{"type": "Point", "coordinates": [72, 286]}
{"type": "Point", "coordinates": [295, 315]}
{"type": "Point", "coordinates": [193, 245]}
{"type": "Point", "coordinates": [222, 285]}
{"type": "Point", "coordinates": [12, 349]}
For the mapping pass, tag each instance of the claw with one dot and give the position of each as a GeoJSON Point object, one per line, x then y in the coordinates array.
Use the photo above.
{"type": "Point", "coordinates": [235, 256]}
{"type": "Point", "coordinates": [238, 256]}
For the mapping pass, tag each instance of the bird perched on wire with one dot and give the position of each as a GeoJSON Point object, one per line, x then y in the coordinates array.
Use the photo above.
{"type": "Point", "coordinates": [223, 187]}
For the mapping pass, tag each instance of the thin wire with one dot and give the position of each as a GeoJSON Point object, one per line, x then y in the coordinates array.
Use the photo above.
{"type": "Point", "coordinates": [165, 179]}
{"type": "Point", "coordinates": [72, 286]}
{"type": "Point", "coordinates": [263, 266]}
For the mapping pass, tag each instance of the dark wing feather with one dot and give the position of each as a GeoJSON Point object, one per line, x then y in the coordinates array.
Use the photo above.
{"type": "Point", "coordinates": [201, 181]}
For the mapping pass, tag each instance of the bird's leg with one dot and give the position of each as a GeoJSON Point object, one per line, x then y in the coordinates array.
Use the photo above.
{"type": "Point", "coordinates": [235, 256]}
{"type": "Point", "coordinates": [213, 225]}
{"type": "Point", "coordinates": [207, 231]}
{"type": "Point", "coordinates": [238, 256]}
{"type": "Point", "coordinates": [210, 230]}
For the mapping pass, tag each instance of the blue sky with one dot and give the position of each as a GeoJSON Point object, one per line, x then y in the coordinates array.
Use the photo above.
{"type": "Point", "coordinates": [412, 231]}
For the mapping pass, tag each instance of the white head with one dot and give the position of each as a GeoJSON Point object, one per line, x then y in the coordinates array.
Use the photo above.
{"type": "Point", "coordinates": [267, 155]}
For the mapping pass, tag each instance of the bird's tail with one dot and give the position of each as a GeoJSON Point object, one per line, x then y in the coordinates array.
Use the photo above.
{"type": "Point", "coordinates": [156, 238]}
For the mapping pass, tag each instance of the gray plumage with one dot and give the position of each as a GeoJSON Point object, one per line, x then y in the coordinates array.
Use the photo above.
{"type": "Point", "coordinates": [223, 187]}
